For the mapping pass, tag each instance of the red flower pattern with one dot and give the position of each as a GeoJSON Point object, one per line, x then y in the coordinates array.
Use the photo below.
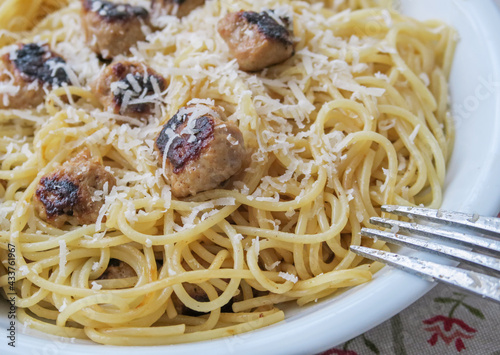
{"type": "Point", "coordinates": [442, 327]}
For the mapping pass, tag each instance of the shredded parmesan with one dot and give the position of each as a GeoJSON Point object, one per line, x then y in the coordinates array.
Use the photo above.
{"type": "Point", "coordinates": [63, 305]}
{"type": "Point", "coordinates": [272, 266]}
{"type": "Point", "coordinates": [63, 252]}
{"type": "Point", "coordinates": [288, 277]}
{"type": "Point", "coordinates": [413, 134]}
{"type": "Point", "coordinates": [425, 79]}
{"type": "Point", "coordinates": [23, 270]}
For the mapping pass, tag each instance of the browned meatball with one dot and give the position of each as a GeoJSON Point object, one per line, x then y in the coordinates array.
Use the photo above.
{"type": "Point", "coordinates": [179, 8]}
{"type": "Point", "coordinates": [111, 28]}
{"type": "Point", "coordinates": [68, 193]}
{"type": "Point", "coordinates": [199, 149]}
{"type": "Point", "coordinates": [27, 70]}
{"type": "Point", "coordinates": [117, 269]}
{"type": "Point", "coordinates": [129, 88]}
{"type": "Point", "coordinates": [256, 40]}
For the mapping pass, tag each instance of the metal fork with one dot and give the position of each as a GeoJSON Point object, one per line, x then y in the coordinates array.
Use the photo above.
{"type": "Point", "coordinates": [466, 230]}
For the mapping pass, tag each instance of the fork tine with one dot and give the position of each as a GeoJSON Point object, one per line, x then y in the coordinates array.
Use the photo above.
{"type": "Point", "coordinates": [471, 222]}
{"type": "Point", "coordinates": [485, 244]}
{"type": "Point", "coordinates": [466, 256]}
{"type": "Point", "coordinates": [477, 283]}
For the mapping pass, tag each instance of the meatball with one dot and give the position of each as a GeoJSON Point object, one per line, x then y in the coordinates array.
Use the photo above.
{"type": "Point", "coordinates": [117, 269]}
{"type": "Point", "coordinates": [26, 71]}
{"type": "Point", "coordinates": [68, 194]}
{"type": "Point", "coordinates": [199, 149]}
{"type": "Point", "coordinates": [179, 8]}
{"type": "Point", "coordinates": [129, 88]}
{"type": "Point", "coordinates": [257, 40]}
{"type": "Point", "coordinates": [110, 28]}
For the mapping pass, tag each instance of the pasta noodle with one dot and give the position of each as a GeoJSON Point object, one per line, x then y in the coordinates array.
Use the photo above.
{"type": "Point", "coordinates": [357, 118]}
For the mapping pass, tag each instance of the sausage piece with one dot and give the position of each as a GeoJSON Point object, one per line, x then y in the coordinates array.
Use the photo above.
{"type": "Point", "coordinates": [112, 28]}
{"type": "Point", "coordinates": [129, 88]}
{"type": "Point", "coordinates": [179, 8]}
{"type": "Point", "coordinates": [199, 149]}
{"type": "Point", "coordinates": [26, 71]}
{"type": "Point", "coordinates": [68, 194]}
{"type": "Point", "coordinates": [257, 40]}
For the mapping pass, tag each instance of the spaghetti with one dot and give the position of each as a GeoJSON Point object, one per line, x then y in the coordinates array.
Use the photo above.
{"type": "Point", "coordinates": [356, 118]}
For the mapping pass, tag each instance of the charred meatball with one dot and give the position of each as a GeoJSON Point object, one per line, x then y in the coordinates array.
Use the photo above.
{"type": "Point", "coordinates": [179, 8]}
{"type": "Point", "coordinates": [129, 88]}
{"type": "Point", "coordinates": [257, 40]}
{"type": "Point", "coordinates": [112, 28]}
{"type": "Point", "coordinates": [117, 269]}
{"type": "Point", "coordinates": [68, 194]}
{"type": "Point", "coordinates": [26, 72]}
{"type": "Point", "coordinates": [199, 149]}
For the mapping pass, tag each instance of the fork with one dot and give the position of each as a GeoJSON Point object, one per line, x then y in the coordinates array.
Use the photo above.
{"type": "Point", "coordinates": [453, 228]}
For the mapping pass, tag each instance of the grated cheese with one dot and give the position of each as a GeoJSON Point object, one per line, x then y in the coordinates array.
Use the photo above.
{"type": "Point", "coordinates": [350, 194]}
{"type": "Point", "coordinates": [425, 79]}
{"type": "Point", "coordinates": [63, 305]}
{"type": "Point", "coordinates": [256, 245]}
{"type": "Point", "coordinates": [288, 277]}
{"type": "Point", "coordinates": [63, 253]}
{"type": "Point", "coordinates": [134, 83]}
{"type": "Point", "coordinates": [272, 266]}
{"type": "Point", "coordinates": [413, 134]}
{"type": "Point", "coordinates": [24, 270]}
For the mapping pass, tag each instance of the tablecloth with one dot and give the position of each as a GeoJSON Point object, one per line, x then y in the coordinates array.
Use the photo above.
{"type": "Point", "coordinates": [444, 321]}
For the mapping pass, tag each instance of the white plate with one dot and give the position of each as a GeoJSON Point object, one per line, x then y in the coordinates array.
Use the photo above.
{"type": "Point", "coordinates": [473, 185]}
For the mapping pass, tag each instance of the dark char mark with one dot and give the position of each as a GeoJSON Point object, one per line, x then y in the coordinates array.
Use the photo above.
{"type": "Point", "coordinates": [119, 70]}
{"type": "Point", "coordinates": [268, 26]}
{"type": "Point", "coordinates": [114, 11]}
{"type": "Point", "coordinates": [178, 2]}
{"type": "Point", "coordinates": [59, 196]}
{"type": "Point", "coordinates": [37, 62]}
{"type": "Point", "coordinates": [103, 60]}
{"type": "Point", "coordinates": [172, 124]}
{"type": "Point", "coordinates": [181, 151]}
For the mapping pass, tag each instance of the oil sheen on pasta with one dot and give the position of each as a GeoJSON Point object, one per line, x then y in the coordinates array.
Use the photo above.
{"type": "Point", "coordinates": [357, 118]}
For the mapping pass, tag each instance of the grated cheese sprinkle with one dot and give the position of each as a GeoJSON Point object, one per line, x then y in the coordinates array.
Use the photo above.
{"type": "Point", "coordinates": [288, 277]}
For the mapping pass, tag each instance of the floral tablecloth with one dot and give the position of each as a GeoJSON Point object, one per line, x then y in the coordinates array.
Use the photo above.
{"type": "Point", "coordinates": [442, 322]}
